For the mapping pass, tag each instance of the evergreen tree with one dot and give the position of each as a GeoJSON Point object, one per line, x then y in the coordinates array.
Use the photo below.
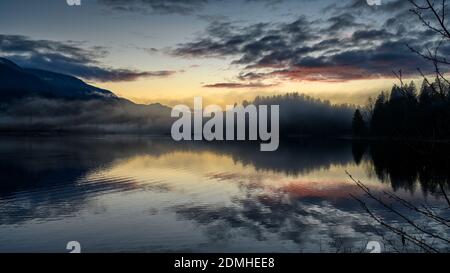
{"type": "Point", "coordinates": [425, 95]}
{"type": "Point", "coordinates": [359, 125]}
{"type": "Point", "coordinates": [377, 123]}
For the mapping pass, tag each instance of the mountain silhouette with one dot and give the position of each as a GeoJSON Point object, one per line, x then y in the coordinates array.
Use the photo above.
{"type": "Point", "coordinates": [18, 82]}
{"type": "Point", "coordinates": [40, 100]}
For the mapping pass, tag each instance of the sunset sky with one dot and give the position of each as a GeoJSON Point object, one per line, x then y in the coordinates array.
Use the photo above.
{"type": "Point", "coordinates": [226, 51]}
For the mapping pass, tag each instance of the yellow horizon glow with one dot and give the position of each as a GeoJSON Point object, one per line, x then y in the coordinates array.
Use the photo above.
{"type": "Point", "coordinates": [182, 88]}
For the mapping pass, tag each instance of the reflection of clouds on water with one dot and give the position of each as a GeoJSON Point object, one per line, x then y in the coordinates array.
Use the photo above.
{"type": "Point", "coordinates": [313, 219]}
{"type": "Point", "coordinates": [309, 227]}
{"type": "Point", "coordinates": [304, 226]}
{"type": "Point", "coordinates": [232, 196]}
{"type": "Point", "coordinates": [267, 212]}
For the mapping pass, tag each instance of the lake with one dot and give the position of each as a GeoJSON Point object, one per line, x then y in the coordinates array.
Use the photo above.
{"type": "Point", "coordinates": [150, 194]}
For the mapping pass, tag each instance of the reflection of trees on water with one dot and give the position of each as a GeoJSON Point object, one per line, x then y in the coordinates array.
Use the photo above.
{"type": "Point", "coordinates": [47, 171]}
{"type": "Point", "coordinates": [42, 162]}
{"type": "Point", "coordinates": [402, 165]}
{"type": "Point", "coordinates": [405, 164]}
{"type": "Point", "coordinates": [293, 157]}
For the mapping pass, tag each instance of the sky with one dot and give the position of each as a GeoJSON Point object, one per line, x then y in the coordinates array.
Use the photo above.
{"type": "Point", "coordinates": [169, 51]}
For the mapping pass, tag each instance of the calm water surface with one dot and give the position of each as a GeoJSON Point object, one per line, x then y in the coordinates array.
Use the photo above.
{"type": "Point", "coordinates": [146, 194]}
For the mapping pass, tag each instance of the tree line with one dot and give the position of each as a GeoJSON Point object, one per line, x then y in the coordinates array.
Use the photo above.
{"type": "Point", "coordinates": [303, 115]}
{"type": "Point", "coordinates": [407, 113]}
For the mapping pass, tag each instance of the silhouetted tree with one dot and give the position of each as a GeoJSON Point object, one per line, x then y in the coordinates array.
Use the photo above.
{"type": "Point", "coordinates": [406, 113]}
{"type": "Point", "coordinates": [358, 124]}
{"type": "Point", "coordinates": [379, 116]}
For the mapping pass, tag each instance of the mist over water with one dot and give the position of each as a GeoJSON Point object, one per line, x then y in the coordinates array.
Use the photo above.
{"type": "Point", "coordinates": [148, 194]}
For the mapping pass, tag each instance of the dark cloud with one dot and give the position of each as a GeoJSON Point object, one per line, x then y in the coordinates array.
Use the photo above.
{"type": "Point", "coordinates": [371, 35]}
{"type": "Point", "coordinates": [158, 6]}
{"type": "Point", "coordinates": [342, 22]}
{"type": "Point", "coordinates": [69, 57]}
{"type": "Point", "coordinates": [184, 7]}
{"type": "Point", "coordinates": [341, 48]}
{"type": "Point", "coordinates": [235, 85]}
{"type": "Point", "coordinates": [252, 42]}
